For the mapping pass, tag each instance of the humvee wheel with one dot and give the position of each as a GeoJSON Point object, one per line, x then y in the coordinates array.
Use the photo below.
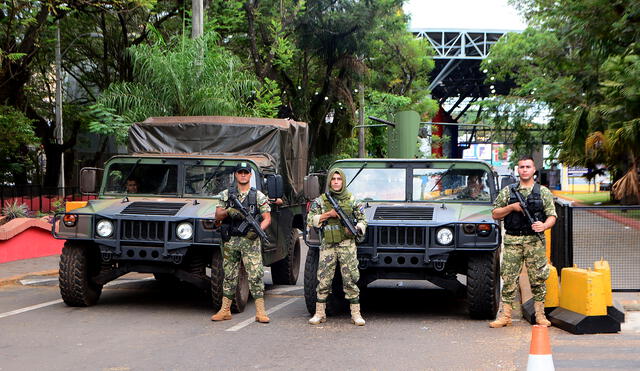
{"type": "Point", "coordinates": [217, 277]}
{"type": "Point", "coordinates": [483, 284]}
{"type": "Point", "coordinates": [335, 301]}
{"type": "Point", "coordinates": [285, 272]}
{"type": "Point", "coordinates": [78, 264]}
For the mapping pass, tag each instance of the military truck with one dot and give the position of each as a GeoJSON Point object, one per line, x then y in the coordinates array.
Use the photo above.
{"type": "Point", "coordinates": [154, 211]}
{"type": "Point", "coordinates": [428, 219]}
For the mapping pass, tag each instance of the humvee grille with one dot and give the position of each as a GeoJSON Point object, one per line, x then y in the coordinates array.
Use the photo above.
{"type": "Point", "coordinates": [401, 236]}
{"type": "Point", "coordinates": [404, 213]}
{"type": "Point", "coordinates": [142, 230]}
{"type": "Point", "coordinates": [153, 208]}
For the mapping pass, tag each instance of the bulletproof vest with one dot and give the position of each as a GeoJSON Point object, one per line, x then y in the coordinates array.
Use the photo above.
{"type": "Point", "coordinates": [241, 227]}
{"type": "Point", "coordinates": [516, 221]}
{"type": "Point", "coordinates": [333, 230]}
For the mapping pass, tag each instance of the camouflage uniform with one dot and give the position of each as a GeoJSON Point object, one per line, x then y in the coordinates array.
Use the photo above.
{"type": "Point", "coordinates": [241, 248]}
{"type": "Point", "coordinates": [527, 249]}
{"type": "Point", "coordinates": [344, 251]}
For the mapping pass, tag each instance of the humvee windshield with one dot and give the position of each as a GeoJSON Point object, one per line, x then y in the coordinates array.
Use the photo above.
{"type": "Point", "coordinates": [426, 184]}
{"type": "Point", "coordinates": [142, 178]}
{"type": "Point", "coordinates": [210, 179]}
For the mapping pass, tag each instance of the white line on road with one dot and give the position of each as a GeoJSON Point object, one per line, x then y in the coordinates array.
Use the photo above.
{"type": "Point", "coordinates": [33, 307]}
{"type": "Point", "coordinates": [281, 290]}
{"type": "Point", "coordinates": [35, 281]}
{"type": "Point", "coordinates": [53, 302]}
{"type": "Point", "coordinates": [249, 321]}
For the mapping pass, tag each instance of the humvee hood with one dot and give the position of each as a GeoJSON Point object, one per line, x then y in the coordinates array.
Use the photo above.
{"type": "Point", "coordinates": [426, 213]}
{"type": "Point", "coordinates": [152, 206]}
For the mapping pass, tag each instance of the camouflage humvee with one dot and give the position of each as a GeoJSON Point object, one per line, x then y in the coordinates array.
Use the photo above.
{"type": "Point", "coordinates": [428, 220]}
{"type": "Point", "coordinates": [164, 224]}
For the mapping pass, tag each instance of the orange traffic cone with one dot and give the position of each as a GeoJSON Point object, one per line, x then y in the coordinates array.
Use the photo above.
{"type": "Point", "coordinates": [540, 352]}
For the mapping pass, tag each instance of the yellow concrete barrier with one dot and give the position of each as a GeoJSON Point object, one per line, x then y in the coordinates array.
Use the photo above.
{"type": "Point", "coordinates": [602, 266]}
{"type": "Point", "coordinates": [552, 299]}
{"type": "Point", "coordinates": [583, 292]}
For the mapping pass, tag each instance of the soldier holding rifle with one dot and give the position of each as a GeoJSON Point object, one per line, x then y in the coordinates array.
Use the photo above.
{"type": "Point", "coordinates": [333, 213]}
{"type": "Point", "coordinates": [244, 206]}
{"type": "Point", "coordinates": [528, 210]}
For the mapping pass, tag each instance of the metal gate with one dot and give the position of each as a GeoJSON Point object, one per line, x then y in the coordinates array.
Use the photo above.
{"type": "Point", "coordinates": [584, 234]}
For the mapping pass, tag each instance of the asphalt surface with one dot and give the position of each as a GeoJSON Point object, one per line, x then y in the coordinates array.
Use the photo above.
{"type": "Point", "coordinates": [141, 324]}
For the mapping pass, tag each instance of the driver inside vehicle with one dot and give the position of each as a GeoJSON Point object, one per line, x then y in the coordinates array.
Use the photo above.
{"type": "Point", "coordinates": [474, 189]}
{"type": "Point", "coordinates": [132, 186]}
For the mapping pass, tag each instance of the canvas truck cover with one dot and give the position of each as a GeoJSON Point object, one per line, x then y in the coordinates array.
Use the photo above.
{"type": "Point", "coordinates": [284, 140]}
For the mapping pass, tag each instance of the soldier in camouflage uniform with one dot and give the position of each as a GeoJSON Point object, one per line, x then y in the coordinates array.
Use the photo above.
{"type": "Point", "coordinates": [338, 245]}
{"type": "Point", "coordinates": [523, 241]}
{"type": "Point", "coordinates": [243, 245]}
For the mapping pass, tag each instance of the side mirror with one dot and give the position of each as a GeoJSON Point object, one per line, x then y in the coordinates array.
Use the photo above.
{"type": "Point", "coordinates": [311, 187]}
{"type": "Point", "coordinates": [275, 187]}
{"type": "Point", "coordinates": [506, 180]}
{"type": "Point", "coordinates": [89, 180]}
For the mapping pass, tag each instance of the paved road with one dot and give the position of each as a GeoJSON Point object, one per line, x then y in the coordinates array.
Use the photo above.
{"type": "Point", "coordinates": [140, 324]}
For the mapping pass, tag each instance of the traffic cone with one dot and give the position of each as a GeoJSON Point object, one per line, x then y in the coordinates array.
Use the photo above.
{"type": "Point", "coordinates": [540, 352]}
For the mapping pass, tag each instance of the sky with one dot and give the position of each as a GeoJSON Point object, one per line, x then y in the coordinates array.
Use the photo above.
{"type": "Point", "coordinates": [464, 14]}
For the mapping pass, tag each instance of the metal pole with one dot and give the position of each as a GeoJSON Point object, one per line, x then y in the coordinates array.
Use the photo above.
{"type": "Point", "coordinates": [58, 109]}
{"type": "Point", "coordinates": [361, 120]}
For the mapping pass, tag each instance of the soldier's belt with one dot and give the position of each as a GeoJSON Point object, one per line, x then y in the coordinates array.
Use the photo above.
{"type": "Point", "coordinates": [520, 233]}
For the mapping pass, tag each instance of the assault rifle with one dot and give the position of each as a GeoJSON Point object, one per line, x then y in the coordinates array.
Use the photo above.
{"type": "Point", "coordinates": [527, 214]}
{"type": "Point", "coordinates": [344, 219]}
{"type": "Point", "coordinates": [249, 220]}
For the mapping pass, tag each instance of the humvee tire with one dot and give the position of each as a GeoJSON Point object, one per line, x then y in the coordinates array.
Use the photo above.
{"type": "Point", "coordinates": [335, 302]}
{"type": "Point", "coordinates": [285, 272]}
{"type": "Point", "coordinates": [217, 276]}
{"type": "Point", "coordinates": [483, 284]}
{"type": "Point", "coordinates": [78, 263]}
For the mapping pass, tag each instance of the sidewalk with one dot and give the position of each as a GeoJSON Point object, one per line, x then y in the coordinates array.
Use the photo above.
{"type": "Point", "coordinates": [13, 271]}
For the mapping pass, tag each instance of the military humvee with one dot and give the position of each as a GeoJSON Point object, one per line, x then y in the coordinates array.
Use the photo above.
{"type": "Point", "coordinates": [428, 220]}
{"type": "Point", "coordinates": [155, 207]}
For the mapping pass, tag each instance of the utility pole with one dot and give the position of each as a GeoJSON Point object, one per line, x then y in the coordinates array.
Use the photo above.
{"type": "Point", "coordinates": [58, 109]}
{"type": "Point", "coordinates": [361, 120]}
{"type": "Point", "coordinates": [197, 18]}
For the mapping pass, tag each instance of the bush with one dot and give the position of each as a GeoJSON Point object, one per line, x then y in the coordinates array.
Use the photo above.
{"type": "Point", "coordinates": [13, 210]}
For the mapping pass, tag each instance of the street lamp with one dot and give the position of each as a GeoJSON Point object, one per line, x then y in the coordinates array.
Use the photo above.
{"type": "Point", "coordinates": [58, 109]}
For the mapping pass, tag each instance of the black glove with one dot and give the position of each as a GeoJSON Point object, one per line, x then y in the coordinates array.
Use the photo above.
{"type": "Point", "coordinates": [234, 213]}
{"type": "Point", "coordinates": [252, 235]}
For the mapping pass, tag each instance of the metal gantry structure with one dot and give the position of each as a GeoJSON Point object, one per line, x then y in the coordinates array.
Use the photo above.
{"type": "Point", "coordinates": [458, 77]}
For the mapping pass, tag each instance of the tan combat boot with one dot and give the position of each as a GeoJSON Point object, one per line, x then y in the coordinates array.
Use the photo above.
{"type": "Point", "coordinates": [356, 318]}
{"type": "Point", "coordinates": [540, 317]}
{"type": "Point", "coordinates": [504, 319]}
{"type": "Point", "coordinates": [320, 316]}
{"type": "Point", "coordinates": [261, 315]}
{"type": "Point", "coordinates": [225, 311]}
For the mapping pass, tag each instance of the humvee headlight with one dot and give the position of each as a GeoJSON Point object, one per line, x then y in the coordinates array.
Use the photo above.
{"type": "Point", "coordinates": [104, 228]}
{"type": "Point", "coordinates": [444, 236]}
{"type": "Point", "coordinates": [184, 231]}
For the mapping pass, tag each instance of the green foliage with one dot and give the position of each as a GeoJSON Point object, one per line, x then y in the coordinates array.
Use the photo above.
{"type": "Point", "coordinates": [184, 78]}
{"type": "Point", "coordinates": [15, 210]}
{"type": "Point", "coordinates": [58, 205]}
{"type": "Point", "coordinates": [16, 133]}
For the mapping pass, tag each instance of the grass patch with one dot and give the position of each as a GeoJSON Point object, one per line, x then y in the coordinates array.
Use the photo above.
{"type": "Point", "coordinates": [632, 214]}
{"type": "Point", "coordinates": [590, 198]}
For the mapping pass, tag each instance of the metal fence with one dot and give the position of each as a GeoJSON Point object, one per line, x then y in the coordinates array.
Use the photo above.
{"type": "Point", "coordinates": [40, 199]}
{"type": "Point", "coordinates": [585, 234]}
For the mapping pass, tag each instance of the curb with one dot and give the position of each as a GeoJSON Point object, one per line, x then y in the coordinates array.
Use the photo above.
{"type": "Point", "coordinates": [16, 278]}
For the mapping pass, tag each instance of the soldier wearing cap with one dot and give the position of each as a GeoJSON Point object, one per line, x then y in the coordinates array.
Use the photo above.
{"type": "Point", "coordinates": [243, 245]}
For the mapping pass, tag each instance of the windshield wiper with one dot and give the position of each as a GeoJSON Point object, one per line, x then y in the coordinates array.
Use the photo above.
{"type": "Point", "coordinates": [442, 177]}
{"type": "Point", "coordinates": [358, 173]}
{"type": "Point", "coordinates": [211, 176]}
{"type": "Point", "coordinates": [129, 174]}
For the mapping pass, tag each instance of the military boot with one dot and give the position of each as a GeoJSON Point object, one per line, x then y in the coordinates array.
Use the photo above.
{"type": "Point", "coordinates": [225, 311]}
{"type": "Point", "coordinates": [320, 316]}
{"type": "Point", "coordinates": [540, 317]}
{"type": "Point", "coordinates": [261, 315]}
{"type": "Point", "coordinates": [504, 319]}
{"type": "Point", "coordinates": [356, 318]}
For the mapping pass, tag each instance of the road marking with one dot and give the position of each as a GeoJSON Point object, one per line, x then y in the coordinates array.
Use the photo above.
{"type": "Point", "coordinates": [281, 290]}
{"type": "Point", "coordinates": [27, 309]}
{"type": "Point", "coordinates": [249, 321]}
{"type": "Point", "coordinates": [53, 302]}
{"type": "Point", "coordinates": [35, 281]}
